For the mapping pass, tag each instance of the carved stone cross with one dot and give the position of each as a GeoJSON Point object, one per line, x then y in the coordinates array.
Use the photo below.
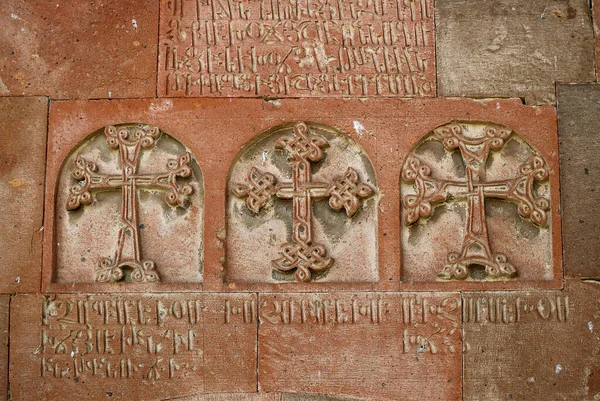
{"type": "Point", "coordinates": [476, 249]}
{"type": "Point", "coordinates": [129, 140]}
{"type": "Point", "coordinates": [304, 147]}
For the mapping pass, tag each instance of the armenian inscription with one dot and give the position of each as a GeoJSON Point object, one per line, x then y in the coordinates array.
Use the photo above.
{"type": "Point", "coordinates": [146, 340]}
{"type": "Point", "coordinates": [141, 164]}
{"type": "Point", "coordinates": [502, 309]}
{"type": "Point", "coordinates": [478, 162]}
{"type": "Point", "coordinates": [281, 48]}
{"type": "Point", "coordinates": [382, 338]}
{"type": "Point", "coordinates": [303, 254]}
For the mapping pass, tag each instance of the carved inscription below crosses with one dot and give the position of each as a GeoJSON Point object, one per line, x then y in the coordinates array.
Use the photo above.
{"type": "Point", "coordinates": [429, 324]}
{"type": "Point", "coordinates": [129, 140]}
{"type": "Point", "coordinates": [475, 188]}
{"type": "Point", "coordinates": [305, 147]}
{"type": "Point", "coordinates": [139, 338]}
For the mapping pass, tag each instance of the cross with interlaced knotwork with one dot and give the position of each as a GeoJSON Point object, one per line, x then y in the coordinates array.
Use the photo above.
{"type": "Point", "coordinates": [304, 147]}
{"type": "Point", "coordinates": [476, 249]}
{"type": "Point", "coordinates": [129, 140]}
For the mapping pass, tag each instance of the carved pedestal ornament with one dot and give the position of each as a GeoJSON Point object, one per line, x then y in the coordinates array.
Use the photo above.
{"type": "Point", "coordinates": [427, 186]}
{"type": "Point", "coordinates": [131, 141]}
{"type": "Point", "coordinates": [305, 149]}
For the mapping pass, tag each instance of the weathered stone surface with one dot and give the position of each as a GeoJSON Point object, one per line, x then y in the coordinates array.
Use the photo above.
{"type": "Point", "coordinates": [22, 163]}
{"type": "Point", "coordinates": [382, 131]}
{"type": "Point", "coordinates": [283, 48]}
{"type": "Point", "coordinates": [315, 397]}
{"type": "Point", "coordinates": [378, 345]}
{"type": "Point", "coordinates": [579, 145]}
{"type": "Point", "coordinates": [512, 48]}
{"type": "Point", "coordinates": [4, 336]}
{"type": "Point", "coordinates": [533, 345]}
{"type": "Point", "coordinates": [131, 347]}
{"type": "Point", "coordinates": [232, 397]}
{"type": "Point", "coordinates": [85, 50]}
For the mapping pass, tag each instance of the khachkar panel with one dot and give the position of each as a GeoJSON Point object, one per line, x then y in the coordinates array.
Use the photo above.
{"type": "Point", "coordinates": [132, 346]}
{"type": "Point", "coordinates": [129, 208]}
{"type": "Point", "coordinates": [302, 207]}
{"type": "Point", "coordinates": [476, 206]}
{"type": "Point", "coordinates": [377, 345]}
{"type": "Point", "coordinates": [279, 48]}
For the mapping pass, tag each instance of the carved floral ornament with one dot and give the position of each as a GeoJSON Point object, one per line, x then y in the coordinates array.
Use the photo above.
{"type": "Point", "coordinates": [130, 140]}
{"type": "Point", "coordinates": [433, 186]}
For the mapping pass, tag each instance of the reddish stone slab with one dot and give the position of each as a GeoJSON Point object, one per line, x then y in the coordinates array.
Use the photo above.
{"type": "Point", "coordinates": [383, 132]}
{"type": "Point", "coordinates": [596, 18]}
{"type": "Point", "coordinates": [533, 345]}
{"type": "Point", "coordinates": [132, 347]}
{"type": "Point", "coordinates": [283, 48]}
{"type": "Point", "coordinates": [86, 49]}
{"type": "Point", "coordinates": [580, 177]}
{"type": "Point", "coordinates": [23, 123]}
{"type": "Point", "coordinates": [373, 345]}
{"type": "Point", "coordinates": [4, 329]}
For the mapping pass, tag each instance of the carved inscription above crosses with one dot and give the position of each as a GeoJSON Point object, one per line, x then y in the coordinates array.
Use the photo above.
{"type": "Point", "coordinates": [297, 48]}
{"type": "Point", "coordinates": [135, 166]}
{"type": "Point", "coordinates": [302, 252]}
{"type": "Point", "coordinates": [470, 164]}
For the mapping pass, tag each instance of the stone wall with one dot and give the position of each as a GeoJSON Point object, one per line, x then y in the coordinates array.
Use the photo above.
{"type": "Point", "coordinates": [299, 200]}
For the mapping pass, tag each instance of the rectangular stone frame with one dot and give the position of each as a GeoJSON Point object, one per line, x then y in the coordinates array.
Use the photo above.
{"type": "Point", "coordinates": [391, 128]}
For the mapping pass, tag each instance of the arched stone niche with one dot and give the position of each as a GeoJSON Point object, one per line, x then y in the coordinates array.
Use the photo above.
{"type": "Point", "coordinates": [302, 206]}
{"type": "Point", "coordinates": [476, 206]}
{"type": "Point", "coordinates": [129, 208]}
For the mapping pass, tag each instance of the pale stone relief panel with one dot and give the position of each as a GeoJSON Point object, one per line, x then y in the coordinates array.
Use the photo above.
{"type": "Point", "coordinates": [129, 208]}
{"type": "Point", "coordinates": [301, 206]}
{"type": "Point", "coordinates": [476, 205]}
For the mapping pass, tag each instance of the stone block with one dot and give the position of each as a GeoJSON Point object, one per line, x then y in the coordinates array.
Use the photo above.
{"type": "Point", "coordinates": [512, 48]}
{"type": "Point", "coordinates": [4, 340]}
{"type": "Point", "coordinates": [23, 123]}
{"type": "Point", "coordinates": [532, 345]}
{"type": "Point", "coordinates": [86, 49]}
{"type": "Point", "coordinates": [282, 48]}
{"type": "Point", "coordinates": [346, 219]}
{"type": "Point", "coordinates": [376, 345]}
{"type": "Point", "coordinates": [579, 145]}
{"type": "Point", "coordinates": [97, 346]}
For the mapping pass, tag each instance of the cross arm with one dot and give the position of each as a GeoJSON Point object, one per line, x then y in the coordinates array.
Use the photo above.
{"type": "Point", "coordinates": [86, 173]}
{"type": "Point", "coordinates": [344, 191]}
{"type": "Point", "coordinates": [176, 193]}
{"type": "Point", "coordinates": [520, 190]}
